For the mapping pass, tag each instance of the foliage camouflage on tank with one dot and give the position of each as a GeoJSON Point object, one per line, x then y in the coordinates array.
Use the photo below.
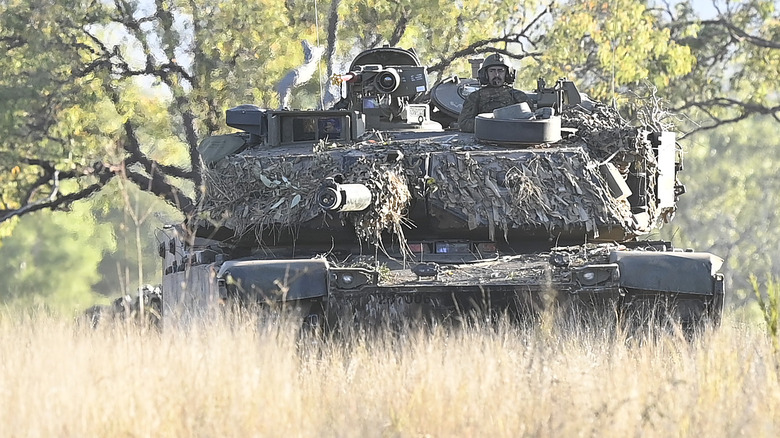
{"type": "Point", "coordinates": [551, 186]}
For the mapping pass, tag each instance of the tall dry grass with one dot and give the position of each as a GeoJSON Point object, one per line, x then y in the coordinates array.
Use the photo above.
{"type": "Point", "coordinates": [58, 379]}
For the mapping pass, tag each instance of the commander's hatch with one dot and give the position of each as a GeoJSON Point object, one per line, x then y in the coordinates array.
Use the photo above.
{"type": "Point", "coordinates": [449, 95]}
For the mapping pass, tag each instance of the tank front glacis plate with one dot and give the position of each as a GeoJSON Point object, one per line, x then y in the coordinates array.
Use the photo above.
{"type": "Point", "coordinates": [563, 274]}
{"type": "Point", "coordinates": [525, 283]}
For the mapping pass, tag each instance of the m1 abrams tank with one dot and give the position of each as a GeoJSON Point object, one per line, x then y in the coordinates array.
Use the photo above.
{"type": "Point", "coordinates": [376, 209]}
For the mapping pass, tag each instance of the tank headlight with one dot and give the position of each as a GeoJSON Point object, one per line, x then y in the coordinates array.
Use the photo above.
{"type": "Point", "coordinates": [595, 274]}
{"type": "Point", "coordinates": [560, 260]}
{"type": "Point", "coordinates": [352, 278]}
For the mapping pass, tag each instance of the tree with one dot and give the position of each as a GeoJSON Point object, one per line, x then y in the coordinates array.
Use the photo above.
{"type": "Point", "coordinates": [610, 47]}
{"type": "Point", "coordinates": [53, 258]}
{"type": "Point", "coordinates": [135, 224]}
{"type": "Point", "coordinates": [90, 110]}
{"type": "Point", "coordinates": [737, 62]}
{"type": "Point", "coordinates": [96, 91]}
{"type": "Point", "coordinates": [129, 88]}
{"type": "Point", "coordinates": [732, 201]}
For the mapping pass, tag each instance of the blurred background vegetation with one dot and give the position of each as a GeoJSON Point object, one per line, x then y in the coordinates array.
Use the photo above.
{"type": "Point", "coordinates": [103, 104]}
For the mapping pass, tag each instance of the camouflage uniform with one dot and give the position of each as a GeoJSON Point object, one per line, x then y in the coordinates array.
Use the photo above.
{"type": "Point", "coordinates": [485, 100]}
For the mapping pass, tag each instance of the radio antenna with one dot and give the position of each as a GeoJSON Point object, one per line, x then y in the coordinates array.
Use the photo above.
{"type": "Point", "coordinates": [319, 61]}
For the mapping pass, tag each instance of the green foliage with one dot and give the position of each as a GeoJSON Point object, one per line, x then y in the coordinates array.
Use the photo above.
{"type": "Point", "coordinates": [70, 260]}
{"type": "Point", "coordinates": [737, 61]}
{"type": "Point", "coordinates": [48, 110]}
{"type": "Point", "coordinates": [6, 229]}
{"type": "Point", "coordinates": [134, 223]}
{"type": "Point", "coordinates": [434, 28]}
{"type": "Point", "coordinates": [53, 258]}
{"type": "Point", "coordinates": [731, 204]}
{"type": "Point", "coordinates": [609, 46]}
{"type": "Point", "coordinates": [769, 303]}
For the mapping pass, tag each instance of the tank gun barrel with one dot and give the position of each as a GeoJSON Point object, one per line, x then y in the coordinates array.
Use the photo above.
{"type": "Point", "coordinates": [333, 196]}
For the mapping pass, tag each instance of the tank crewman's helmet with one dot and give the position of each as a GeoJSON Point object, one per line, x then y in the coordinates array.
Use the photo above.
{"type": "Point", "coordinates": [491, 61]}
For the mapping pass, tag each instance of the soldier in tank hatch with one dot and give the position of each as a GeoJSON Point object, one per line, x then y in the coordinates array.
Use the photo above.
{"type": "Point", "coordinates": [496, 78]}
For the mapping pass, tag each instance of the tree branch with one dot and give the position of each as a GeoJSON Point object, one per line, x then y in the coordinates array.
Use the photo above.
{"type": "Point", "coordinates": [133, 147]}
{"type": "Point", "coordinates": [740, 34]}
{"type": "Point", "coordinates": [160, 187]}
{"type": "Point", "coordinates": [746, 109]}
{"type": "Point", "coordinates": [50, 173]}
{"type": "Point", "coordinates": [484, 45]}
{"type": "Point", "coordinates": [55, 200]}
{"type": "Point", "coordinates": [333, 23]}
{"type": "Point", "coordinates": [12, 42]}
{"type": "Point", "coordinates": [400, 26]}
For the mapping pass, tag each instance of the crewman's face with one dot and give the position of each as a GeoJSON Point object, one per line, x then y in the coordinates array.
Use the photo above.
{"type": "Point", "coordinates": [496, 75]}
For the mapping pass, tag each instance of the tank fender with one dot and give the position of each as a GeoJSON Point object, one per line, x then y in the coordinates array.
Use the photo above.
{"type": "Point", "coordinates": [274, 280]}
{"type": "Point", "coordinates": [679, 272]}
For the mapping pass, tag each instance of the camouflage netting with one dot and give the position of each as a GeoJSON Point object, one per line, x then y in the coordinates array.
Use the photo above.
{"type": "Point", "coordinates": [248, 191]}
{"type": "Point", "coordinates": [391, 196]}
{"type": "Point", "coordinates": [558, 187]}
{"type": "Point", "coordinates": [610, 139]}
{"type": "Point", "coordinates": [554, 189]}
{"type": "Point", "coordinates": [606, 133]}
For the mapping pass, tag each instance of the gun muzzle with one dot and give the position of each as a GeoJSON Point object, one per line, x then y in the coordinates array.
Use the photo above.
{"type": "Point", "coordinates": [333, 196]}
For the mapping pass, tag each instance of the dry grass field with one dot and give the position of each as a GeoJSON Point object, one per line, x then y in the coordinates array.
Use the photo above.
{"type": "Point", "coordinates": [58, 379]}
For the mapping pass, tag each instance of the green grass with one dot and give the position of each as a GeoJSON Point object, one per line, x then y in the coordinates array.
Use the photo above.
{"type": "Point", "coordinates": [768, 299]}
